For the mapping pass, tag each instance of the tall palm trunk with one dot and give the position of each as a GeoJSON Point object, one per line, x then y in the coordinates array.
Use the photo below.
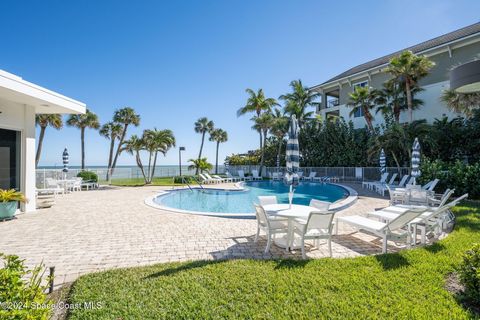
{"type": "Point", "coordinates": [154, 166]}
{"type": "Point", "coordinates": [368, 118]}
{"type": "Point", "coordinates": [216, 158]}
{"type": "Point", "coordinates": [122, 138]}
{"type": "Point", "coordinates": [201, 149]}
{"type": "Point", "coordinates": [263, 152]}
{"type": "Point", "coordinates": [82, 138]}
{"type": "Point", "coordinates": [140, 164]}
{"type": "Point", "coordinates": [409, 100]}
{"type": "Point", "coordinates": [110, 157]}
{"type": "Point", "coordinates": [261, 139]}
{"type": "Point", "coordinates": [40, 143]}
{"type": "Point", "coordinates": [396, 113]}
{"type": "Point", "coordinates": [149, 169]}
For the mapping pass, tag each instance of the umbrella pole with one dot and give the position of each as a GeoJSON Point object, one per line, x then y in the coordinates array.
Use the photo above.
{"type": "Point", "coordinates": [290, 196]}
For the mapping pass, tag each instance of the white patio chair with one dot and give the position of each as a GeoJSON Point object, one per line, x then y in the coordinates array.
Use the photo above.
{"type": "Point", "coordinates": [234, 178]}
{"type": "Point", "coordinates": [401, 184]}
{"type": "Point", "coordinates": [52, 185]}
{"type": "Point", "coordinates": [275, 176]}
{"type": "Point", "coordinates": [431, 185]}
{"type": "Point", "coordinates": [318, 226]}
{"type": "Point", "coordinates": [227, 179]}
{"type": "Point", "coordinates": [266, 200]}
{"type": "Point", "coordinates": [270, 226]}
{"type": "Point", "coordinates": [77, 184]}
{"type": "Point", "coordinates": [369, 184]}
{"type": "Point", "coordinates": [311, 176]}
{"type": "Point", "coordinates": [243, 177]}
{"type": "Point", "coordinates": [205, 180]}
{"type": "Point", "coordinates": [300, 175]}
{"type": "Point", "coordinates": [215, 180]}
{"type": "Point", "coordinates": [255, 175]}
{"type": "Point", "coordinates": [396, 229]}
{"type": "Point", "coordinates": [320, 205]}
{"type": "Point", "coordinates": [381, 188]}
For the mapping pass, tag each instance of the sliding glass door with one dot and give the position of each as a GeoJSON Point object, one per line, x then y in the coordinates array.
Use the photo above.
{"type": "Point", "coordinates": [10, 159]}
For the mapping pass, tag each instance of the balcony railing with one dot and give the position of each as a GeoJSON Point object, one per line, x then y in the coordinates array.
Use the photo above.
{"type": "Point", "coordinates": [333, 103]}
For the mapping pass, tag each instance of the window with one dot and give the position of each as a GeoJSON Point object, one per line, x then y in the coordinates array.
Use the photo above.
{"type": "Point", "coordinates": [359, 112]}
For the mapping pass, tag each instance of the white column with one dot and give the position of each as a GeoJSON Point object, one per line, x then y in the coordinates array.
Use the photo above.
{"type": "Point", "coordinates": [28, 159]}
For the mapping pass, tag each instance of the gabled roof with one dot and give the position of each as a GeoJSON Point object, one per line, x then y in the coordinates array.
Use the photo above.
{"type": "Point", "coordinates": [426, 45]}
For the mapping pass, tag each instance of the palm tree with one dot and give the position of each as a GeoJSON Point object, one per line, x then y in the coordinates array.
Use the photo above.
{"type": "Point", "coordinates": [279, 129]}
{"type": "Point", "coordinates": [363, 98]}
{"type": "Point", "coordinates": [126, 117]}
{"type": "Point", "coordinates": [263, 123]}
{"type": "Point", "coordinates": [201, 165]}
{"type": "Point", "coordinates": [392, 99]}
{"type": "Point", "coordinates": [112, 131]}
{"type": "Point", "coordinates": [219, 136]}
{"type": "Point", "coordinates": [297, 102]}
{"type": "Point", "coordinates": [464, 103]}
{"type": "Point", "coordinates": [257, 103]}
{"type": "Point", "coordinates": [409, 69]}
{"type": "Point", "coordinates": [202, 126]}
{"type": "Point", "coordinates": [83, 121]}
{"type": "Point", "coordinates": [133, 146]}
{"type": "Point", "coordinates": [43, 121]}
{"type": "Point", "coordinates": [156, 141]}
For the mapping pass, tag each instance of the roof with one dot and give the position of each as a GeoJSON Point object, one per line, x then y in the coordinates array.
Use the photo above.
{"type": "Point", "coordinates": [426, 45]}
{"type": "Point", "coordinates": [15, 89]}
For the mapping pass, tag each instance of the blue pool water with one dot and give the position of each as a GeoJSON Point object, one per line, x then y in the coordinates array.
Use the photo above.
{"type": "Point", "coordinates": [220, 201]}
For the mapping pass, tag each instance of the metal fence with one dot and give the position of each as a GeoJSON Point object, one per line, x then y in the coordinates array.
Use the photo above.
{"type": "Point", "coordinates": [343, 173]}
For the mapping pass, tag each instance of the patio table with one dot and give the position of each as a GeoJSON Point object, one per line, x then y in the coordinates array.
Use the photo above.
{"type": "Point", "coordinates": [296, 211]}
{"type": "Point", "coordinates": [64, 183]}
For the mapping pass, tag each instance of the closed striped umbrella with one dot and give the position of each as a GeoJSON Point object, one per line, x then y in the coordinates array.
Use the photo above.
{"type": "Point", "coordinates": [293, 157]}
{"type": "Point", "coordinates": [65, 160]}
{"type": "Point", "coordinates": [383, 162]}
{"type": "Point", "coordinates": [415, 161]}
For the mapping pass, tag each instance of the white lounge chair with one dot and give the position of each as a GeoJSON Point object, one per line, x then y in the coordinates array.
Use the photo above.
{"type": "Point", "coordinates": [430, 220]}
{"type": "Point", "coordinates": [369, 184]}
{"type": "Point", "coordinates": [381, 188]}
{"type": "Point", "coordinates": [242, 176]}
{"type": "Point", "coordinates": [275, 175]}
{"type": "Point", "coordinates": [234, 178]}
{"type": "Point", "coordinates": [227, 179]}
{"type": "Point", "coordinates": [311, 176]}
{"type": "Point", "coordinates": [318, 226]}
{"type": "Point", "coordinates": [255, 175]}
{"type": "Point", "coordinates": [300, 175]}
{"type": "Point", "coordinates": [430, 185]}
{"type": "Point", "coordinates": [206, 180]}
{"type": "Point", "coordinates": [270, 226]}
{"type": "Point", "coordinates": [396, 229]}
{"type": "Point", "coordinates": [52, 185]}
{"type": "Point", "coordinates": [401, 184]}
{"type": "Point", "coordinates": [215, 180]}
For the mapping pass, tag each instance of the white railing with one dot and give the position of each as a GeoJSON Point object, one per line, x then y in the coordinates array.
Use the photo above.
{"type": "Point", "coordinates": [343, 173]}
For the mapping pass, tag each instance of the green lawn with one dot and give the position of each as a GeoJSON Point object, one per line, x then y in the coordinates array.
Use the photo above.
{"type": "Point", "coordinates": [135, 182]}
{"type": "Point", "coordinates": [405, 285]}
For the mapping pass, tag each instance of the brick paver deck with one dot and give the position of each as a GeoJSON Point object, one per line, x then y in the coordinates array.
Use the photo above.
{"type": "Point", "coordinates": [96, 230]}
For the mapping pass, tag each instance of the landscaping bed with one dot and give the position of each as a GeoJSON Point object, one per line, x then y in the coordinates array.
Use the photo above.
{"type": "Point", "coordinates": [408, 284]}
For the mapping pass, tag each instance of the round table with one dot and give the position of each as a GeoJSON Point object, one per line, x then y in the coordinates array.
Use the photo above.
{"type": "Point", "coordinates": [295, 211]}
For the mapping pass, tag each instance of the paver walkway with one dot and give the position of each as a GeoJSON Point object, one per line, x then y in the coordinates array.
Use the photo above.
{"type": "Point", "coordinates": [110, 228]}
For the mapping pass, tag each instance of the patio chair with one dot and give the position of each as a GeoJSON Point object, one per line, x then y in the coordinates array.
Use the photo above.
{"type": "Point", "coordinates": [397, 229]}
{"type": "Point", "coordinates": [311, 176]}
{"type": "Point", "coordinates": [234, 178]}
{"type": "Point", "coordinates": [266, 200]}
{"type": "Point", "coordinates": [381, 188]}
{"type": "Point", "coordinates": [52, 185]}
{"type": "Point", "coordinates": [320, 205]}
{"type": "Point", "coordinates": [242, 176]}
{"type": "Point", "coordinates": [431, 185]}
{"type": "Point", "coordinates": [300, 175]}
{"type": "Point", "coordinates": [255, 175]}
{"type": "Point", "coordinates": [227, 179]}
{"type": "Point", "coordinates": [319, 225]}
{"type": "Point", "coordinates": [215, 180]}
{"type": "Point", "coordinates": [401, 184]}
{"type": "Point", "coordinates": [431, 220]}
{"type": "Point", "coordinates": [275, 175]}
{"type": "Point", "coordinates": [369, 184]}
{"type": "Point", "coordinates": [270, 226]}
{"type": "Point", "coordinates": [206, 180]}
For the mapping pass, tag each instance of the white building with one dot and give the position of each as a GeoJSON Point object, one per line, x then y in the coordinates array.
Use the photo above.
{"type": "Point", "coordinates": [447, 51]}
{"type": "Point", "coordinates": [20, 101]}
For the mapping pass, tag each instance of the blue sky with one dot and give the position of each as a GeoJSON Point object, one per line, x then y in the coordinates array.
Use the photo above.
{"type": "Point", "coordinates": [176, 61]}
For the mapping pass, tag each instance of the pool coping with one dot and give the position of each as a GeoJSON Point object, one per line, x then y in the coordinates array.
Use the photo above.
{"type": "Point", "coordinates": [149, 201]}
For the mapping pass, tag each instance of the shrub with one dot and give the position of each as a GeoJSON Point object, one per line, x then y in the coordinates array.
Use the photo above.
{"type": "Point", "coordinates": [469, 272]}
{"type": "Point", "coordinates": [88, 176]}
{"type": "Point", "coordinates": [21, 298]}
{"type": "Point", "coordinates": [187, 179]}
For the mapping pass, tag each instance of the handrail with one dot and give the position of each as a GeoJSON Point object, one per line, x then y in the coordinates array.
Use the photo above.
{"type": "Point", "coordinates": [184, 181]}
{"type": "Point", "coordinates": [198, 182]}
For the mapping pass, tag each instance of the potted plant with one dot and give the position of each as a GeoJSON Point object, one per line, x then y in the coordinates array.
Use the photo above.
{"type": "Point", "coordinates": [9, 202]}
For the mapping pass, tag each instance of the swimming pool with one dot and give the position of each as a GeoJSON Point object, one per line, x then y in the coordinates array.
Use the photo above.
{"type": "Point", "coordinates": [240, 202]}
